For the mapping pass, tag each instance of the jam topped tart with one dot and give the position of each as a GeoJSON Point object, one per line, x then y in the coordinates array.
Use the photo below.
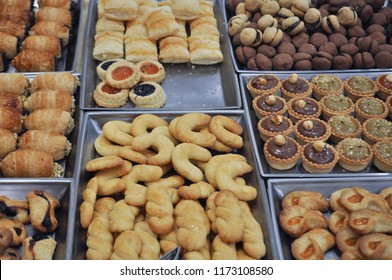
{"type": "Point", "coordinates": [110, 97]}
{"type": "Point", "coordinates": [294, 86]}
{"type": "Point", "coordinates": [359, 86]}
{"type": "Point", "coordinates": [268, 104]}
{"type": "Point", "coordinates": [151, 71]}
{"type": "Point", "coordinates": [377, 129]}
{"type": "Point", "coordinates": [383, 155]}
{"type": "Point", "coordinates": [122, 74]}
{"type": "Point", "coordinates": [273, 125]}
{"type": "Point", "coordinates": [311, 130]}
{"type": "Point", "coordinates": [384, 84]}
{"type": "Point", "coordinates": [333, 105]}
{"type": "Point", "coordinates": [103, 67]}
{"type": "Point", "coordinates": [282, 152]}
{"type": "Point", "coordinates": [264, 84]}
{"type": "Point", "coordinates": [303, 108]}
{"type": "Point", "coordinates": [370, 107]}
{"type": "Point", "coordinates": [326, 85]}
{"type": "Point", "coordinates": [354, 154]}
{"type": "Point", "coordinates": [319, 157]}
{"type": "Point", "coordinates": [148, 95]}
{"type": "Point", "coordinates": [343, 126]}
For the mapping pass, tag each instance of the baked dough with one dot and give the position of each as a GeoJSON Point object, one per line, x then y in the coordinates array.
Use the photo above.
{"type": "Point", "coordinates": [307, 199]}
{"type": "Point", "coordinates": [173, 50]}
{"type": "Point", "coordinates": [122, 74]}
{"type": "Point", "coordinates": [105, 24]}
{"type": "Point", "coordinates": [205, 49]}
{"type": "Point", "coordinates": [7, 142]}
{"type": "Point", "coordinates": [63, 81]}
{"type": "Point", "coordinates": [18, 230]}
{"type": "Point", "coordinates": [14, 209]}
{"type": "Point", "coordinates": [108, 45]}
{"type": "Point", "coordinates": [312, 245]}
{"type": "Point", "coordinates": [50, 99]}
{"type": "Point", "coordinates": [186, 10]}
{"type": "Point", "coordinates": [120, 9]}
{"type": "Point", "coordinates": [148, 95]}
{"type": "Point", "coordinates": [136, 29]}
{"type": "Point", "coordinates": [53, 120]}
{"type": "Point", "coordinates": [109, 97]}
{"type": "Point", "coordinates": [38, 247]}
{"type": "Point", "coordinates": [151, 71]}
{"type": "Point", "coordinates": [151, 248]}
{"type": "Point", "coordinates": [160, 22]}
{"type": "Point", "coordinates": [140, 49]}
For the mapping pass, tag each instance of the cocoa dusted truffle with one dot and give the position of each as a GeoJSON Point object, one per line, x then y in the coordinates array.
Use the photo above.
{"type": "Point", "coordinates": [286, 37]}
{"type": "Point", "coordinates": [287, 48]}
{"type": "Point", "coordinates": [375, 4]}
{"type": "Point", "coordinates": [363, 60]}
{"type": "Point", "coordinates": [383, 60]}
{"type": "Point", "coordinates": [366, 14]}
{"type": "Point", "coordinates": [350, 49]}
{"type": "Point", "coordinates": [329, 47]}
{"type": "Point", "coordinates": [260, 63]}
{"type": "Point", "coordinates": [356, 31]}
{"type": "Point", "coordinates": [256, 17]}
{"type": "Point", "coordinates": [323, 12]}
{"type": "Point", "coordinates": [341, 62]}
{"type": "Point", "coordinates": [386, 48]}
{"type": "Point", "coordinates": [379, 18]}
{"type": "Point", "coordinates": [236, 41]}
{"type": "Point", "coordinates": [301, 56]}
{"type": "Point", "coordinates": [322, 61]}
{"type": "Point", "coordinates": [338, 39]}
{"type": "Point", "coordinates": [342, 30]}
{"type": "Point", "coordinates": [379, 37]}
{"type": "Point", "coordinates": [317, 39]}
{"type": "Point", "coordinates": [244, 53]}
{"type": "Point", "coordinates": [303, 65]}
{"type": "Point", "coordinates": [282, 62]}
{"type": "Point", "coordinates": [308, 49]}
{"type": "Point", "coordinates": [267, 50]}
{"type": "Point", "coordinates": [367, 44]}
{"type": "Point", "coordinates": [375, 28]}
{"type": "Point", "coordinates": [300, 39]}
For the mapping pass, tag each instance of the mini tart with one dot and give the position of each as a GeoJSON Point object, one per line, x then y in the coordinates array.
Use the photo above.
{"type": "Point", "coordinates": [103, 67]}
{"type": "Point", "coordinates": [343, 126]}
{"type": "Point", "coordinates": [383, 155]}
{"type": "Point", "coordinates": [326, 85]}
{"type": "Point", "coordinates": [264, 84]}
{"type": "Point", "coordinates": [303, 108]}
{"type": "Point", "coordinates": [148, 95]}
{"type": "Point", "coordinates": [311, 130]}
{"type": "Point", "coordinates": [294, 86]}
{"type": "Point", "coordinates": [384, 84]}
{"type": "Point", "coordinates": [377, 129]}
{"type": "Point", "coordinates": [358, 86]}
{"type": "Point", "coordinates": [354, 154]}
{"type": "Point", "coordinates": [268, 104]}
{"type": "Point", "coordinates": [109, 97]}
{"type": "Point", "coordinates": [370, 107]}
{"type": "Point", "coordinates": [273, 125]}
{"type": "Point", "coordinates": [319, 157]}
{"type": "Point", "coordinates": [282, 152]}
{"type": "Point", "coordinates": [333, 105]}
{"type": "Point", "coordinates": [151, 71]}
{"type": "Point", "coordinates": [389, 105]}
{"type": "Point", "coordinates": [122, 74]}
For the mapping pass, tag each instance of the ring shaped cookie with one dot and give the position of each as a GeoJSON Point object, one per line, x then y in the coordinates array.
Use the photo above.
{"type": "Point", "coordinates": [151, 71]}
{"type": "Point", "coordinates": [5, 238]}
{"type": "Point", "coordinates": [227, 131]}
{"type": "Point", "coordinates": [122, 74]}
{"type": "Point", "coordinates": [143, 123]}
{"type": "Point", "coordinates": [104, 147]}
{"type": "Point", "coordinates": [118, 132]}
{"type": "Point", "coordinates": [187, 129]}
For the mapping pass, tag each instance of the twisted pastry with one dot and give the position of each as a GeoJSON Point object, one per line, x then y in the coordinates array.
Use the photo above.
{"type": "Point", "coordinates": [99, 239]}
{"type": "Point", "coordinates": [201, 254]}
{"type": "Point", "coordinates": [210, 210]}
{"type": "Point", "coordinates": [160, 210]}
{"type": "Point", "coordinates": [216, 161]}
{"type": "Point", "coordinates": [151, 248]}
{"type": "Point", "coordinates": [122, 216]}
{"type": "Point", "coordinates": [222, 250]}
{"type": "Point", "coordinates": [312, 245]}
{"type": "Point", "coordinates": [128, 246]}
{"type": "Point", "coordinates": [87, 207]}
{"type": "Point", "coordinates": [109, 181]}
{"type": "Point", "coordinates": [195, 191]}
{"type": "Point", "coordinates": [103, 206]}
{"type": "Point", "coordinates": [168, 241]}
{"type": "Point", "coordinates": [227, 131]}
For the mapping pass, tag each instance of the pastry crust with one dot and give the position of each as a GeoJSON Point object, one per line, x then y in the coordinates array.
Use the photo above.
{"type": "Point", "coordinates": [306, 199]}
{"type": "Point", "coordinates": [151, 71]}
{"type": "Point", "coordinates": [328, 113]}
{"type": "Point", "coordinates": [319, 92]}
{"type": "Point", "coordinates": [336, 136]}
{"type": "Point", "coordinates": [108, 45]}
{"type": "Point", "coordinates": [279, 163]}
{"type": "Point", "coordinates": [42, 43]}
{"type": "Point", "coordinates": [353, 164]}
{"type": "Point", "coordinates": [312, 245]}
{"type": "Point", "coordinates": [120, 9]}
{"type": "Point", "coordinates": [260, 79]}
{"type": "Point", "coordinates": [270, 100]}
{"type": "Point", "coordinates": [370, 137]}
{"type": "Point", "coordinates": [356, 94]}
{"type": "Point", "coordinates": [54, 14]}
{"type": "Point", "coordinates": [55, 81]}
{"type": "Point", "coordinates": [105, 24]}
{"type": "Point", "coordinates": [368, 221]}
{"type": "Point", "coordinates": [266, 134]}
{"type": "Point", "coordinates": [338, 221]}
{"type": "Point", "coordinates": [11, 100]}
{"type": "Point", "coordinates": [173, 50]}
{"type": "Point", "coordinates": [160, 22]}
{"type": "Point", "coordinates": [205, 49]}
{"type": "Point", "coordinates": [382, 163]}
{"type": "Point", "coordinates": [13, 83]}
{"type": "Point", "coordinates": [18, 230]}
{"type": "Point", "coordinates": [376, 246]}
{"type": "Point", "coordinates": [64, 4]}
{"type": "Point", "coordinates": [383, 91]}
{"type": "Point", "coordinates": [34, 61]}
{"type": "Point", "coordinates": [14, 209]}
{"type": "Point", "coordinates": [136, 29]}
{"type": "Point", "coordinates": [140, 49]}
{"type": "Point", "coordinates": [51, 28]}
{"type": "Point", "coordinates": [50, 99]}
{"type": "Point", "coordinates": [357, 199]}
{"type": "Point", "coordinates": [7, 142]}
{"type": "Point", "coordinates": [10, 119]}
{"type": "Point", "coordinates": [122, 74]}
{"type": "Point", "coordinates": [315, 168]}
{"type": "Point", "coordinates": [303, 140]}
{"type": "Point", "coordinates": [347, 239]}
{"type": "Point", "coordinates": [186, 10]}
{"type": "Point", "coordinates": [52, 120]}
{"type": "Point", "coordinates": [116, 98]}
{"type": "Point", "coordinates": [8, 45]}
{"type": "Point", "coordinates": [287, 95]}
{"type": "Point", "coordinates": [363, 116]}
{"type": "Point", "coordinates": [148, 95]}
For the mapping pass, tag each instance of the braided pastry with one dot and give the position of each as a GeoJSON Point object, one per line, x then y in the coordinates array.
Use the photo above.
{"type": "Point", "coordinates": [210, 210]}
{"type": "Point", "coordinates": [168, 241]}
{"type": "Point", "coordinates": [201, 254]}
{"type": "Point", "coordinates": [122, 216]}
{"type": "Point", "coordinates": [109, 181]}
{"type": "Point", "coordinates": [195, 191]}
{"type": "Point", "coordinates": [160, 210]}
{"type": "Point", "coordinates": [312, 245]}
{"type": "Point", "coordinates": [222, 250]}
{"type": "Point", "coordinates": [99, 239]}
{"type": "Point", "coordinates": [151, 248]}
{"type": "Point", "coordinates": [128, 246]}
{"type": "Point", "coordinates": [87, 206]}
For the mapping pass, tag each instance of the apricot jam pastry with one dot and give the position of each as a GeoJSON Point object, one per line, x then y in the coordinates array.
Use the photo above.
{"type": "Point", "coordinates": [151, 71]}
{"type": "Point", "coordinates": [282, 152]}
{"type": "Point", "coordinates": [110, 97]}
{"type": "Point", "coordinates": [358, 86]}
{"type": "Point", "coordinates": [122, 74]}
{"type": "Point", "coordinates": [264, 84]}
{"type": "Point", "coordinates": [354, 154]}
{"type": "Point", "coordinates": [294, 86]}
{"type": "Point", "coordinates": [103, 67]}
{"type": "Point", "coordinates": [148, 95]}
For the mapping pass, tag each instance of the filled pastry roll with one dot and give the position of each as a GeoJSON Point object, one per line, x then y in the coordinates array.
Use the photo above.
{"type": "Point", "coordinates": [27, 5]}
{"type": "Point", "coordinates": [13, 83]}
{"type": "Point", "coordinates": [136, 29]}
{"type": "Point", "coordinates": [54, 14]}
{"type": "Point", "coordinates": [52, 120]}
{"type": "Point", "coordinates": [142, 49]}
{"type": "Point", "coordinates": [104, 24]}
{"type": "Point", "coordinates": [43, 43]}
{"type": "Point", "coordinates": [53, 143]}
{"type": "Point", "coordinates": [204, 25]}
{"type": "Point", "coordinates": [120, 9]}
{"type": "Point", "coordinates": [7, 142]}
{"type": "Point", "coordinates": [11, 100]}
{"type": "Point", "coordinates": [62, 81]}
{"type": "Point", "coordinates": [173, 50]}
{"type": "Point", "coordinates": [14, 14]}
{"type": "Point", "coordinates": [34, 61]}
{"type": "Point", "coordinates": [205, 49]}
{"type": "Point", "coordinates": [186, 10]}
{"type": "Point", "coordinates": [160, 22]}
{"type": "Point", "coordinates": [51, 28]}
{"type": "Point", "coordinates": [108, 45]}
{"type": "Point", "coordinates": [38, 247]}
{"type": "Point", "coordinates": [15, 29]}
{"type": "Point", "coordinates": [50, 99]}
{"type": "Point", "coordinates": [8, 45]}
{"type": "Point", "coordinates": [63, 4]}
{"type": "Point", "coordinates": [10, 119]}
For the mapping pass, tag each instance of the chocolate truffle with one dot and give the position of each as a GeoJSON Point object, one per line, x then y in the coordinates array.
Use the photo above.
{"type": "Point", "coordinates": [356, 31]}
{"type": "Point", "coordinates": [267, 50]}
{"type": "Point", "coordinates": [386, 11]}
{"type": "Point", "coordinates": [317, 39]}
{"type": "Point", "coordinates": [323, 12]}
{"type": "Point", "coordinates": [286, 37]}
{"type": "Point", "coordinates": [329, 47]}
{"type": "Point", "coordinates": [338, 39]}
{"type": "Point", "coordinates": [363, 60]}
{"type": "Point", "coordinates": [244, 53]}
{"type": "Point", "coordinates": [282, 62]}
{"type": "Point", "coordinates": [386, 48]}
{"type": "Point", "coordinates": [322, 61]}
{"type": "Point", "coordinates": [253, 25]}
{"type": "Point", "coordinates": [366, 14]}
{"type": "Point", "coordinates": [379, 18]}
{"type": "Point", "coordinates": [236, 41]}
{"type": "Point", "coordinates": [375, 28]}
{"type": "Point", "coordinates": [368, 45]}
{"type": "Point", "coordinates": [359, 22]}
{"type": "Point", "coordinates": [383, 60]}
{"type": "Point", "coordinates": [256, 17]}
{"type": "Point", "coordinates": [300, 39]}
{"type": "Point", "coordinates": [350, 49]}
{"type": "Point", "coordinates": [301, 56]}
{"type": "Point", "coordinates": [342, 30]}
{"type": "Point", "coordinates": [308, 49]}
{"type": "Point", "coordinates": [303, 65]}
{"type": "Point", "coordinates": [287, 48]}
{"type": "Point", "coordinates": [379, 37]}
{"type": "Point", "coordinates": [340, 62]}
{"type": "Point", "coordinates": [260, 63]}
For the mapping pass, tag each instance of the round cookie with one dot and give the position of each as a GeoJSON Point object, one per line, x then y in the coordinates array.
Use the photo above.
{"type": "Point", "coordinates": [148, 95]}
{"type": "Point", "coordinates": [356, 31]}
{"type": "Point", "coordinates": [308, 48]}
{"type": "Point", "coordinates": [329, 47]}
{"type": "Point", "coordinates": [282, 62]}
{"type": "Point", "coordinates": [300, 39]}
{"type": "Point", "coordinates": [317, 39]}
{"type": "Point", "coordinates": [338, 39]}
{"type": "Point", "coordinates": [267, 50]}
{"type": "Point", "coordinates": [383, 60]}
{"type": "Point", "coordinates": [349, 48]}
{"type": "Point", "coordinates": [244, 53]}
{"type": "Point", "coordinates": [287, 48]}
{"type": "Point", "coordinates": [260, 62]}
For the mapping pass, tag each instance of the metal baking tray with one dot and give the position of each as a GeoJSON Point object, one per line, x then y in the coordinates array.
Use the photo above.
{"type": "Point", "coordinates": [239, 68]}
{"type": "Point", "coordinates": [187, 86]}
{"type": "Point", "coordinates": [63, 190]}
{"type": "Point", "coordinates": [298, 170]}
{"type": "Point", "coordinates": [278, 188]}
{"type": "Point", "coordinates": [71, 55]}
{"type": "Point", "coordinates": [91, 127]}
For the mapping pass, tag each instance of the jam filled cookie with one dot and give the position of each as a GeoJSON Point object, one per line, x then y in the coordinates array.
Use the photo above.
{"type": "Point", "coordinates": [148, 95]}
{"type": "Point", "coordinates": [151, 71]}
{"type": "Point", "coordinates": [122, 74]}
{"type": "Point", "coordinates": [313, 245]}
{"type": "Point", "coordinates": [110, 97]}
{"type": "Point", "coordinates": [38, 247]}
{"type": "Point", "coordinates": [9, 254]}
{"type": "Point", "coordinates": [102, 68]}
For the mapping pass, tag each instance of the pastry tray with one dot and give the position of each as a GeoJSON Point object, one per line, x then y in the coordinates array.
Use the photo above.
{"type": "Point", "coordinates": [91, 127]}
{"type": "Point", "coordinates": [63, 190]}
{"type": "Point", "coordinates": [278, 188]}
{"type": "Point", "coordinates": [298, 170]}
{"type": "Point", "coordinates": [187, 86]}
{"type": "Point", "coordinates": [239, 68]}
{"type": "Point", "coordinates": [70, 58]}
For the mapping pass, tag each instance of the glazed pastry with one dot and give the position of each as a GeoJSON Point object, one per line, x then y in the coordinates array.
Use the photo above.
{"type": "Point", "coordinates": [38, 247]}
{"type": "Point", "coordinates": [312, 245]}
{"type": "Point", "coordinates": [293, 86]}
{"type": "Point", "coordinates": [264, 84]}
{"type": "Point", "coordinates": [103, 67]}
{"type": "Point", "coordinates": [50, 99]}
{"type": "Point", "coordinates": [319, 157]}
{"type": "Point", "coordinates": [11, 100]}
{"type": "Point", "coordinates": [326, 85]}
{"type": "Point", "coordinates": [383, 155]}
{"type": "Point", "coordinates": [122, 74]}
{"type": "Point", "coordinates": [51, 28]}
{"type": "Point", "coordinates": [10, 119]}
{"type": "Point", "coordinates": [186, 10]}
{"type": "Point", "coordinates": [140, 49]}
{"type": "Point", "coordinates": [357, 199]}
{"type": "Point", "coordinates": [311, 130]}
{"type": "Point", "coordinates": [347, 239]}
{"type": "Point", "coordinates": [108, 45]}
{"type": "Point", "coordinates": [148, 95]}
{"type": "Point", "coordinates": [55, 81]}
{"type": "Point", "coordinates": [13, 83]}
{"type": "Point", "coordinates": [384, 84]}
{"type": "Point", "coordinates": [377, 129]}
{"type": "Point", "coordinates": [338, 220]}
{"type": "Point", "coordinates": [105, 24]}
{"type": "Point", "coordinates": [357, 87]}
{"type": "Point", "coordinates": [7, 142]}
{"type": "Point", "coordinates": [376, 246]}
{"type": "Point", "coordinates": [333, 105]}
{"type": "Point", "coordinates": [18, 230]}
{"type": "Point", "coordinates": [306, 199]}
{"type": "Point", "coordinates": [110, 97]}
{"type": "Point", "coordinates": [282, 152]}
{"type": "Point", "coordinates": [42, 43]}
{"type": "Point", "coordinates": [120, 9]}
{"type": "Point", "coordinates": [344, 127]}
{"type": "Point", "coordinates": [296, 220]}
{"type": "Point", "coordinates": [34, 61]}
{"type": "Point", "coordinates": [160, 22]}
{"type": "Point", "coordinates": [368, 221]}
{"type": "Point", "coordinates": [54, 14]}
{"type": "Point", "coordinates": [205, 49]}
{"type": "Point", "coordinates": [8, 45]}
{"type": "Point", "coordinates": [370, 107]}
{"type": "Point", "coordinates": [151, 71]}
{"type": "Point", "coordinates": [52, 120]}
{"type": "Point", "coordinates": [303, 108]}
{"type": "Point", "coordinates": [14, 209]}
{"type": "Point", "coordinates": [273, 125]}
{"type": "Point", "coordinates": [354, 154]}
{"type": "Point", "coordinates": [268, 104]}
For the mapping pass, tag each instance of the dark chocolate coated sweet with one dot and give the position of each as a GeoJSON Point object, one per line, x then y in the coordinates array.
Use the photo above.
{"type": "Point", "coordinates": [286, 151]}
{"type": "Point", "coordinates": [318, 130]}
{"type": "Point", "coordinates": [324, 157]}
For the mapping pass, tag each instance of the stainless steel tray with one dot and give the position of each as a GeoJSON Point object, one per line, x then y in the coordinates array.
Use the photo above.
{"type": "Point", "coordinates": [63, 190]}
{"type": "Point", "coordinates": [278, 188]}
{"type": "Point", "coordinates": [239, 68]}
{"type": "Point", "coordinates": [71, 56]}
{"type": "Point", "coordinates": [91, 127]}
{"type": "Point", "coordinates": [187, 87]}
{"type": "Point", "coordinates": [298, 170]}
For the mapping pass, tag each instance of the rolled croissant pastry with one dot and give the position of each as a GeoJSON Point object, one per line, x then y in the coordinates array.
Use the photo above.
{"type": "Point", "coordinates": [51, 28]}
{"type": "Point", "coordinates": [7, 142]}
{"type": "Point", "coordinates": [63, 81]}
{"type": "Point", "coordinates": [34, 61]}
{"type": "Point", "coordinates": [30, 164]}
{"type": "Point", "coordinates": [15, 29]}
{"type": "Point", "coordinates": [10, 119]}
{"type": "Point", "coordinates": [63, 4]}
{"type": "Point", "coordinates": [50, 99]}
{"type": "Point", "coordinates": [52, 120]}
{"type": "Point", "coordinates": [11, 100]}
{"type": "Point", "coordinates": [54, 14]}
{"type": "Point", "coordinates": [14, 14]}
{"type": "Point", "coordinates": [53, 143]}
{"type": "Point", "coordinates": [43, 43]}
{"type": "Point", "coordinates": [8, 44]}
{"type": "Point", "coordinates": [25, 4]}
{"type": "Point", "coordinates": [13, 83]}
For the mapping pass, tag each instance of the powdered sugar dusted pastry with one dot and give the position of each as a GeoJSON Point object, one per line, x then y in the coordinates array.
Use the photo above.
{"type": "Point", "coordinates": [110, 97]}
{"type": "Point", "coordinates": [148, 95]}
{"type": "Point", "coordinates": [38, 247]}
{"type": "Point", "coordinates": [151, 71]}
{"type": "Point", "coordinates": [120, 9]}
{"type": "Point", "coordinates": [160, 22]}
{"type": "Point", "coordinates": [186, 10]}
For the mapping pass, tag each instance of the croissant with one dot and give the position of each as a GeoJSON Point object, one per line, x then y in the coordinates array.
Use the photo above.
{"type": "Point", "coordinates": [13, 83]}
{"type": "Point", "coordinates": [8, 45]}
{"type": "Point", "coordinates": [11, 100]}
{"type": "Point", "coordinates": [51, 28]}
{"type": "Point", "coordinates": [52, 120]}
{"type": "Point", "coordinates": [10, 119]}
{"type": "Point", "coordinates": [54, 14]}
{"type": "Point", "coordinates": [15, 29]}
{"type": "Point", "coordinates": [63, 4]}
{"type": "Point", "coordinates": [34, 61]}
{"type": "Point", "coordinates": [50, 99]}
{"type": "Point", "coordinates": [42, 43]}
{"type": "Point", "coordinates": [7, 142]}
{"type": "Point", "coordinates": [53, 143]}
{"type": "Point", "coordinates": [63, 81]}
